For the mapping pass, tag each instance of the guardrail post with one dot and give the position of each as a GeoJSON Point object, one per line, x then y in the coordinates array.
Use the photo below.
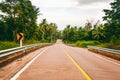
{"type": "Point", "coordinates": [20, 43]}
{"type": "Point", "coordinates": [34, 46]}
{"type": "Point", "coordinates": [24, 49]}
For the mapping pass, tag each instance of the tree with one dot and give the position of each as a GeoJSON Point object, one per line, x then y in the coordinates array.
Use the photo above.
{"type": "Point", "coordinates": [81, 33]}
{"type": "Point", "coordinates": [88, 26]}
{"type": "Point", "coordinates": [42, 27]}
{"type": "Point", "coordinates": [20, 16]}
{"type": "Point", "coordinates": [53, 31]}
{"type": "Point", "coordinates": [48, 31]}
{"type": "Point", "coordinates": [87, 30]}
{"type": "Point", "coordinates": [112, 16]}
{"type": "Point", "coordinates": [66, 33]}
{"type": "Point", "coordinates": [98, 33]}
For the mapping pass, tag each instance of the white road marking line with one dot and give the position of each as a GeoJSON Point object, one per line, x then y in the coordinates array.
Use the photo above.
{"type": "Point", "coordinates": [27, 65]}
{"type": "Point", "coordinates": [104, 58]}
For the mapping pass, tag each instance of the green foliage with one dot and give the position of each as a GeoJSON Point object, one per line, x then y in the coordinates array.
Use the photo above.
{"type": "Point", "coordinates": [111, 45]}
{"type": "Point", "coordinates": [98, 33]}
{"type": "Point", "coordinates": [10, 44]}
{"type": "Point", "coordinates": [44, 41]}
{"type": "Point", "coordinates": [73, 34]}
{"type": "Point", "coordinates": [48, 32]}
{"type": "Point", "coordinates": [86, 43]}
{"type": "Point", "coordinates": [20, 16]}
{"type": "Point", "coordinates": [7, 45]}
{"type": "Point", "coordinates": [108, 32]}
{"type": "Point", "coordinates": [112, 16]}
{"type": "Point", "coordinates": [32, 41]}
{"type": "Point", "coordinates": [70, 34]}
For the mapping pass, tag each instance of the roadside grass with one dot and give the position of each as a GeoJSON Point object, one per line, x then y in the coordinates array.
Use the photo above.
{"type": "Point", "coordinates": [9, 44]}
{"type": "Point", "coordinates": [84, 44]}
{"type": "Point", "coordinates": [30, 42]}
{"type": "Point", "coordinates": [110, 45]}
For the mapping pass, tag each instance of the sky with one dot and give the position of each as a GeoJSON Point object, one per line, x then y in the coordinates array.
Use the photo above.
{"type": "Point", "coordinates": [71, 12]}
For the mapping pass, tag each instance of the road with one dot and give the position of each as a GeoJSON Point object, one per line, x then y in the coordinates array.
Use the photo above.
{"type": "Point", "coordinates": [62, 62]}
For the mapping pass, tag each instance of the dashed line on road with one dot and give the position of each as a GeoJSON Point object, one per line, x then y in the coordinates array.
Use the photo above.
{"type": "Point", "coordinates": [78, 66]}
{"type": "Point", "coordinates": [27, 65]}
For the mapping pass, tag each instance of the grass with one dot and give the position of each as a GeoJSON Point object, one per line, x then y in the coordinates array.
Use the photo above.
{"type": "Point", "coordinates": [30, 42]}
{"type": "Point", "coordinates": [84, 44]}
{"type": "Point", "coordinates": [111, 45]}
{"type": "Point", "coordinates": [9, 44]}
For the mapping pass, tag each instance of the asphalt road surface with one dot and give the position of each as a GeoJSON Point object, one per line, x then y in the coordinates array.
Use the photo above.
{"type": "Point", "coordinates": [62, 62]}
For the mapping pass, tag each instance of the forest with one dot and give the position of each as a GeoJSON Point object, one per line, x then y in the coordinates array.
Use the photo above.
{"type": "Point", "coordinates": [20, 16]}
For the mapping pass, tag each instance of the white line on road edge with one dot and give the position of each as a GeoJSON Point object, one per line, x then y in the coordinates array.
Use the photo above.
{"type": "Point", "coordinates": [26, 66]}
{"type": "Point", "coordinates": [106, 59]}
{"type": "Point", "coordinates": [96, 55]}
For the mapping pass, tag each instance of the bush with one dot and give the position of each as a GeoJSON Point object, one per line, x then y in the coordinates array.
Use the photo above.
{"type": "Point", "coordinates": [7, 45]}
{"type": "Point", "coordinates": [86, 43]}
{"type": "Point", "coordinates": [10, 44]}
{"type": "Point", "coordinates": [115, 45]}
{"type": "Point", "coordinates": [44, 41]}
{"type": "Point", "coordinates": [32, 41]}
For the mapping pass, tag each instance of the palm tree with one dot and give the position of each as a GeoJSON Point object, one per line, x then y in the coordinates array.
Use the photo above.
{"type": "Point", "coordinates": [51, 29]}
{"type": "Point", "coordinates": [67, 31]}
{"type": "Point", "coordinates": [42, 28]}
{"type": "Point", "coordinates": [98, 32]}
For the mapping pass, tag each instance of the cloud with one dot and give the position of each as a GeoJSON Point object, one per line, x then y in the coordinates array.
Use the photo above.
{"type": "Point", "coordinates": [54, 3]}
{"type": "Point", "coordinates": [64, 12]}
{"type": "Point", "coordinates": [74, 16]}
{"type": "Point", "coordinates": [86, 2]}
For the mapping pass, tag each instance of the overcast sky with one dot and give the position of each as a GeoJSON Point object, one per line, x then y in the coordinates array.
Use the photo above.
{"type": "Point", "coordinates": [73, 12]}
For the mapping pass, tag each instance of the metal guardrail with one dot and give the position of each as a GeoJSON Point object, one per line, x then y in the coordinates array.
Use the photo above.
{"type": "Point", "coordinates": [11, 51]}
{"type": "Point", "coordinates": [104, 49]}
